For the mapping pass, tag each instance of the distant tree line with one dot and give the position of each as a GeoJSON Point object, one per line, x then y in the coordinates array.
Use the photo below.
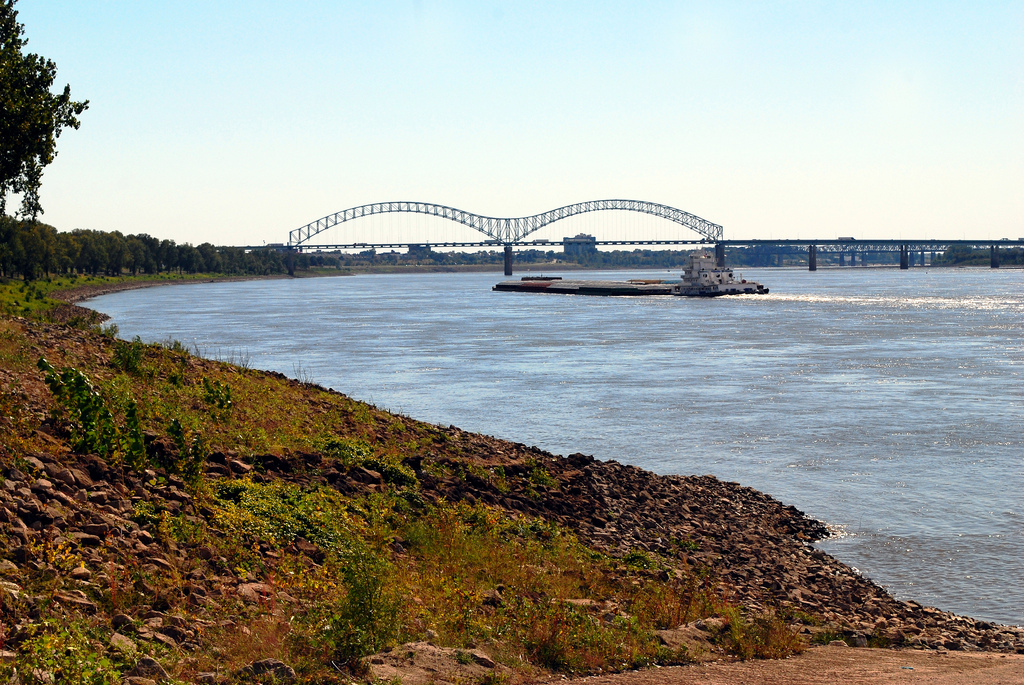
{"type": "Point", "coordinates": [965, 255]}
{"type": "Point", "coordinates": [30, 250]}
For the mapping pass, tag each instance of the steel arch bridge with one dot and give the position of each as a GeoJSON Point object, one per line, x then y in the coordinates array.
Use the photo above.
{"type": "Point", "coordinates": [507, 231]}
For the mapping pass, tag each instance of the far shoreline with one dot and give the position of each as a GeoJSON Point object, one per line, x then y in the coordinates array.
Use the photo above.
{"type": "Point", "coordinates": [88, 291]}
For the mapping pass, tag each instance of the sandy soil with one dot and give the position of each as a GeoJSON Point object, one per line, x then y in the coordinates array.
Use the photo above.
{"type": "Point", "coordinates": [839, 665]}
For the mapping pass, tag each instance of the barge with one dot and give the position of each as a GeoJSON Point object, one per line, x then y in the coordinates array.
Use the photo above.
{"type": "Point", "coordinates": [701, 278]}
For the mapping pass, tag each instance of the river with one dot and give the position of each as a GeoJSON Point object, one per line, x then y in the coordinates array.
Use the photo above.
{"type": "Point", "coordinates": [887, 403]}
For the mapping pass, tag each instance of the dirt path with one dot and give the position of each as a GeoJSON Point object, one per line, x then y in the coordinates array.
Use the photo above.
{"type": "Point", "coordinates": [839, 665]}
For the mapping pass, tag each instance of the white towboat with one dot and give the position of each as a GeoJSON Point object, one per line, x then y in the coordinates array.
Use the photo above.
{"type": "Point", "coordinates": [701, 278]}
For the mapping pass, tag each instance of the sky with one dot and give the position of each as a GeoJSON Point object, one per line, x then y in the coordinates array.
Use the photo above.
{"type": "Point", "coordinates": [234, 122]}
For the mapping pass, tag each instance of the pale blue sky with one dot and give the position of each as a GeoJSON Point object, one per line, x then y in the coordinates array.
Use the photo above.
{"type": "Point", "coordinates": [234, 122]}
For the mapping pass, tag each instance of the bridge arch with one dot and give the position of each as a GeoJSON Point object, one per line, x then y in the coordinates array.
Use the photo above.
{"type": "Point", "coordinates": [509, 230]}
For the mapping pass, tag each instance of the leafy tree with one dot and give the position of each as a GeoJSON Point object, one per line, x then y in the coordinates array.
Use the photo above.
{"type": "Point", "coordinates": [32, 117]}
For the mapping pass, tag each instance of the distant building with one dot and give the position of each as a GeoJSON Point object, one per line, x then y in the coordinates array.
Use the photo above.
{"type": "Point", "coordinates": [580, 245]}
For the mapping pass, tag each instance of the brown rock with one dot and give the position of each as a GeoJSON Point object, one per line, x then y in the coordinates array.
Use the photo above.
{"type": "Point", "coordinates": [255, 592]}
{"type": "Point", "coordinates": [76, 599]}
{"type": "Point", "coordinates": [86, 540]}
{"type": "Point", "coordinates": [81, 573]}
{"type": "Point", "coordinates": [65, 476]}
{"type": "Point", "coordinates": [239, 466]}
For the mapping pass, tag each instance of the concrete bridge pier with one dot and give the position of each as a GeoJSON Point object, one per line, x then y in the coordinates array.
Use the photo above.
{"type": "Point", "coordinates": [508, 260]}
{"type": "Point", "coordinates": [904, 257]}
{"type": "Point", "coordinates": [720, 255]}
{"type": "Point", "coordinates": [994, 260]}
{"type": "Point", "coordinates": [812, 257]}
{"type": "Point", "coordinates": [842, 259]}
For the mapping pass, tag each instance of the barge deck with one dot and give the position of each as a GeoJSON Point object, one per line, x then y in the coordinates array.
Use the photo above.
{"type": "Point", "coordinates": [579, 287]}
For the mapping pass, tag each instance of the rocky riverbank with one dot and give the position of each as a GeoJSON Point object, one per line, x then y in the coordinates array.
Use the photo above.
{"type": "Point", "coordinates": [84, 532]}
{"type": "Point", "coordinates": [760, 548]}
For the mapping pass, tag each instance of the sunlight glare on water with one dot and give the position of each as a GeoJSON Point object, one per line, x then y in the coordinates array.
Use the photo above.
{"type": "Point", "coordinates": [886, 403]}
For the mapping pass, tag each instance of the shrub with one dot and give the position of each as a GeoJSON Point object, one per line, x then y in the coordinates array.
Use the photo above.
{"type": "Point", "coordinates": [367, 618]}
{"type": "Point", "coordinates": [89, 421]}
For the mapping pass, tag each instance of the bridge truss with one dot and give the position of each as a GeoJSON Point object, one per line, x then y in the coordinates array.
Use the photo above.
{"type": "Point", "coordinates": [507, 231]}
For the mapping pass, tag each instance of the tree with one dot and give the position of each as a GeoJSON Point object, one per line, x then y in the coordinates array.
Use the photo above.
{"type": "Point", "coordinates": [32, 117]}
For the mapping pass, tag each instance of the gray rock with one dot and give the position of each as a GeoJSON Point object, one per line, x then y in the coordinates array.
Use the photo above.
{"type": "Point", "coordinates": [148, 667]}
{"type": "Point", "coordinates": [274, 667]}
{"type": "Point", "coordinates": [123, 644]}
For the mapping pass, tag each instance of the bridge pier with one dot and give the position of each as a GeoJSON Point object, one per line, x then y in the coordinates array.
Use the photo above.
{"type": "Point", "coordinates": [994, 260]}
{"type": "Point", "coordinates": [842, 259]}
{"type": "Point", "coordinates": [720, 255]}
{"type": "Point", "coordinates": [904, 258]}
{"type": "Point", "coordinates": [508, 260]}
{"type": "Point", "coordinates": [812, 257]}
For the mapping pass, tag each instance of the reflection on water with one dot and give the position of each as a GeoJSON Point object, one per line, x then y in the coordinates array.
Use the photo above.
{"type": "Point", "coordinates": [886, 403]}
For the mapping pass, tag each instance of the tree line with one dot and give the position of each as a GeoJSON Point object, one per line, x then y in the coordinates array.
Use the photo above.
{"type": "Point", "coordinates": [965, 255]}
{"type": "Point", "coordinates": [31, 249]}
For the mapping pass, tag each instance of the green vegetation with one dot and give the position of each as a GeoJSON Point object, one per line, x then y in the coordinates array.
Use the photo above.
{"type": "Point", "coordinates": [32, 250]}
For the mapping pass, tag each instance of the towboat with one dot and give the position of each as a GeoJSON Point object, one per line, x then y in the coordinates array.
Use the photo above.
{"type": "Point", "coordinates": [702, 278]}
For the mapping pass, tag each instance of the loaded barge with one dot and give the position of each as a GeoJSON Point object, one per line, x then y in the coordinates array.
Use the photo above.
{"type": "Point", "coordinates": [701, 278]}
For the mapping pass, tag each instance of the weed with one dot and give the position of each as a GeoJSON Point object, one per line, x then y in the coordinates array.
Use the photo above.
{"type": "Point", "coordinates": [175, 345]}
{"type": "Point", "coordinates": [638, 558]}
{"type": "Point", "coordinates": [128, 355]}
{"type": "Point", "coordinates": [763, 637]}
{"type": "Point", "coordinates": [279, 513]}
{"type": "Point", "coordinates": [562, 638]}
{"type": "Point", "coordinates": [353, 453]}
{"type": "Point", "coordinates": [60, 651]}
{"type": "Point", "coordinates": [217, 394]}
{"type": "Point", "coordinates": [539, 475]}
{"type": "Point", "coordinates": [191, 455]}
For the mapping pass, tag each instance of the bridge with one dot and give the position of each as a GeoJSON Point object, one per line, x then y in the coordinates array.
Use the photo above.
{"type": "Point", "coordinates": [510, 232]}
